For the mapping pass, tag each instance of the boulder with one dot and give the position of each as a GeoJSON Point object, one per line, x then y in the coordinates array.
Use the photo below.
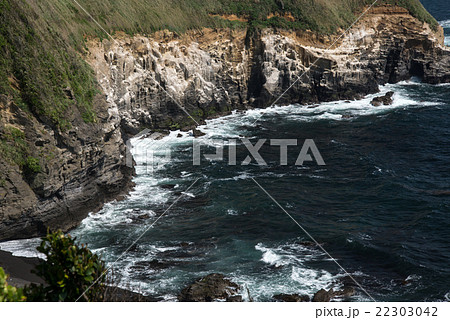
{"type": "Point", "coordinates": [323, 295]}
{"type": "Point", "coordinates": [292, 297]}
{"type": "Point", "coordinates": [383, 100]}
{"type": "Point", "coordinates": [213, 287]}
{"type": "Point", "coordinates": [143, 266]}
{"type": "Point", "coordinates": [197, 133]}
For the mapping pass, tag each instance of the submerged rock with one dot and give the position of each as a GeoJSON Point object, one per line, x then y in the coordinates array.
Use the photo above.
{"type": "Point", "coordinates": [167, 186]}
{"type": "Point", "coordinates": [326, 296]}
{"type": "Point", "coordinates": [197, 133]}
{"type": "Point", "coordinates": [213, 287]}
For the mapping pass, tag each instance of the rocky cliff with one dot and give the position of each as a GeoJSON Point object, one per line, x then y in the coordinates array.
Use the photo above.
{"type": "Point", "coordinates": [81, 168]}
{"type": "Point", "coordinates": [145, 80]}
{"type": "Point", "coordinates": [214, 71]}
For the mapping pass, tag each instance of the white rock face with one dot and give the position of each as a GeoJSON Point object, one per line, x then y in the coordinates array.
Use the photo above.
{"type": "Point", "coordinates": [143, 77]}
{"type": "Point", "coordinates": [156, 81]}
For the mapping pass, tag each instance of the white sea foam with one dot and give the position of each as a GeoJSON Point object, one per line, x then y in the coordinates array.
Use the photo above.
{"type": "Point", "coordinates": [445, 23]}
{"type": "Point", "coordinates": [239, 124]}
{"type": "Point", "coordinates": [232, 212]}
{"type": "Point", "coordinates": [287, 254]}
{"type": "Point", "coordinates": [447, 296]}
{"type": "Point", "coordinates": [291, 260]}
{"type": "Point", "coordinates": [291, 275]}
{"type": "Point", "coordinates": [270, 257]}
{"type": "Point", "coordinates": [312, 280]}
{"type": "Point", "coordinates": [23, 248]}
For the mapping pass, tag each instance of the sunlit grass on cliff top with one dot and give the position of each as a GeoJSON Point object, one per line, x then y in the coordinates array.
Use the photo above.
{"type": "Point", "coordinates": [133, 16]}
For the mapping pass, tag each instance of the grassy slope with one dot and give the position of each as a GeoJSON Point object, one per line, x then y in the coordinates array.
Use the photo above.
{"type": "Point", "coordinates": [40, 41]}
{"type": "Point", "coordinates": [37, 65]}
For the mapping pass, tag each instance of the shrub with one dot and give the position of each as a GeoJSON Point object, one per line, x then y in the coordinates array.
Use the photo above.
{"type": "Point", "coordinates": [69, 271]}
{"type": "Point", "coordinates": [31, 166]}
{"type": "Point", "coordinates": [9, 293]}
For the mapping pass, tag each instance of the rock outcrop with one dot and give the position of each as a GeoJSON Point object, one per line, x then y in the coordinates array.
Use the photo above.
{"type": "Point", "coordinates": [323, 295]}
{"type": "Point", "coordinates": [213, 287]}
{"type": "Point", "coordinates": [383, 100]}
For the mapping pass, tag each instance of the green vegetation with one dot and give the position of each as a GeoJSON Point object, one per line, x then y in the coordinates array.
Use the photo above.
{"type": "Point", "coordinates": [40, 41]}
{"type": "Point", "coordinates": [13, 146]}
{"type": "Point", "coordinates": [69, 270]}
{"type": "Point", "coordinates": [38, 67]}
{"type": "Point", "coordinates": [31, 166]}
{"type": "Point", "coordinates": [15, 150]}
{"type": "Point", "coordinates": [9, 293]}
{"type": "Point", "coordinates": [137, 16]}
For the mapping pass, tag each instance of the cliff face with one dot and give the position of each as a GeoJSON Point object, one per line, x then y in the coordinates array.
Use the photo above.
{"type": "Point", "coordinates": [208, 73]}
{"type": "Point", "coordinates": [80, 170]}
{"type": "Point", "coordinates": [214, 71]}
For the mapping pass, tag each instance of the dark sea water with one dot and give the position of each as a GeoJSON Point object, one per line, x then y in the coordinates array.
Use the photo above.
{"type": "Point", "coordinates": [380, 206]}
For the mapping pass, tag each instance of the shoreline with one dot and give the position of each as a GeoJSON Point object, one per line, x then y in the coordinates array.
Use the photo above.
{"type": "Point", "coordinates": [19, 269]}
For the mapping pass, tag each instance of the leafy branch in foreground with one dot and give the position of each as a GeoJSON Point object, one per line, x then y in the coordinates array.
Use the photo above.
{"type": "Point", "coordinates": [68, 271]}
{"type": "Point", "coordinates": [9, 293]}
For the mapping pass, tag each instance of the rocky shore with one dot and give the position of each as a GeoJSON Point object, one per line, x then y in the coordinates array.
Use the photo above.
{"type": "Point", "coordinates": [213, 287]}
